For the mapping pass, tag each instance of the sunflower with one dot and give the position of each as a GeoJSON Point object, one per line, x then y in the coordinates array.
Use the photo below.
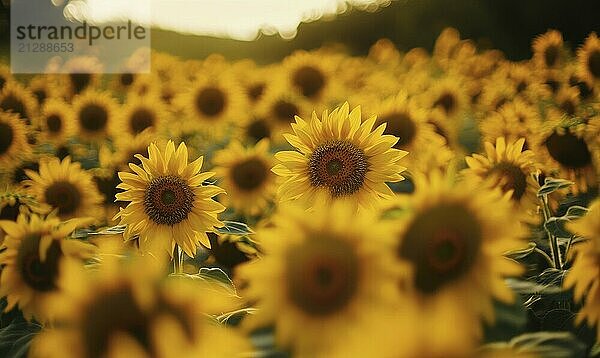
{"type": "Point", "coordinates": [213, 104]}
{"type": "Point", "coordinates": [548, 50]}
{"type": "Point", "coordinates": [15, 202]}
{"type": "Point", "coordinates": [256, 129]}
{"type": "Point", "coordinates": [566, 147]}
{"type": "Point", "coordinates": [449, 95]}
{"type": "Point", "coordinates": [129, 310]}
{"type": "Point", "coordinates": [329, 287]}
{"type": "Point", "coordinates": [341, 155]}
{"type": "Point", "coordinates": [145, 85]}
{"type": "Point", "coordinates": [5, 76]}
{"type": "Point", "coordinates": [95, 115]}
{"type": "Point", "coordinates": [246, 175]}
{"type": "Point", "coordinates": [35, 247]}
{"type": "Point", "coordinates": [507, 166]}
{"type": "Point", "coordinates": [57, 121]}
{"type": "Point", "coordinates": [140, 114]}
{"type": "Point", "coordinates": [125, 149]}
{"type": "Point", "coordinates": [13, 139]}
{"type": "Point", "coordinates": [588, 59]}
{"type": "Point", "coordinates": [514, 120]}
{"type": "Point", "coordinates": [169, 205]}
{"type": "Point", "coordinates": [309, 74]}
{"type": "Point", "coordinates": [83, 73]}
{"type": "Point", "coordinates": [65, 187]}
{"type": "Point", "coordinates": [17, 99]}
{"type": "Point", "coordinates": [407, 120]}
{"type": "Point", "coordinates": [43, 87]}
{"type": "Point", "coordinates": [567, 100]}
{"type": "Point", "coordinates": [450, 247]}
{"type": "Point", "coordinates": [583, 275]}
{"type": "Point", "coordinates": [279, 108]}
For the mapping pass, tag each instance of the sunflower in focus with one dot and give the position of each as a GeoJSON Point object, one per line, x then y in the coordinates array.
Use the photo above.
{"type": "Point", "coordinates": [13, 140]}
{"type": "Point", "coordinates": [548, 50]}
{"type": "Point", "coordinates": [583, 275]}
{"type": "Point", "coordinates": [57, 121]}
{"type": "Point", "coordinates": [65, 187]}
{"type": "Point", "coordinates": [329, 286]}
{"type": "Point", "coordinates": [141, 114]}
{"type": "Point", "coordinates": [31, 263]}
{"type": "Point", "coordinates": [168, 203]}
{"type": "Point", "coordinates": [128, 310]}
{"type": "Point", "coordinates": [588, 59]}
{"type": "Point", "coordinates": [17, 99]}
{"type": "Point", "coordinates": [507, 166]}
{"type": "Point", "coordinates": [95, 115]}
{"type": "Point", "coordinates": [339, 155]}
{"type": "Point", "coordinates": [246, 176]}
{"type": "Point", "coordinates": [451, 249]}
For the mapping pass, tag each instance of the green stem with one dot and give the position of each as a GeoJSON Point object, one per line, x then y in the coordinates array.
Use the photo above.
{"type": "Point", "coordinates": [555, 250]}
{"type": "Point", "coordinates": [177, 260]}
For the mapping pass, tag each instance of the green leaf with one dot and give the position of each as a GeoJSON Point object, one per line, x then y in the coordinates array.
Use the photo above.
{"type": "Point", "coordinates": [521, 253]}
{"type": "Point", "coordinates": [543, 344]}
{"type": "Point", "coordinates": [234, 228]}
{"type": "Point", "coordinates": [215, 276]}
{"type": "Point", "coordinates": [15, 338]}
{"type": "Point", "coordinates": [551, 185]}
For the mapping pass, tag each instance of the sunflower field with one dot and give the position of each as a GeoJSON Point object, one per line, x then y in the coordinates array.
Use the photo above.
{"type": "Point", "coordinates": [398, 204]}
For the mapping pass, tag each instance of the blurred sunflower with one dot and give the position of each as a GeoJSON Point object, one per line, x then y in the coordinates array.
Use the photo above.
{"type": "Point", "coordinates": [13, 140]}
{"type": "Point", "coordinates": [567, 100]}
{"type": "Point", "coordinates": [451, 248]}
{"type": "Point", "coordinates": [31, 264]}
{"type": "Point", "coordinates": [588, 59]}
{"type": "Point", "coordinates": [129, 310]}
{"type": "Point", "coordinates": [43, 87]}
{"type": "Point", "coordinates": [548, 50]}
{"type": "Point", "coordinates": [407, 120]}
{"type": "Point", "coordinates": [213, 104]}
{"type": "Point", "coordinates": [515, 120]}
{"type": "Point", "coordinates": [13, 203]}
{"type": "Point", "coordinates": [57, 121]}
{"type": "Point", "coordinates": [508, 167]}
{"type": "Point", "coordinates": [140, 114]}
{"type": "Point", "coordinates": [566, 148]}
{"type": "Point", "coordinates": [83, 73]}
{"type": "Point", "coordinates": [17, 99]}
{"type": "Point", "coordinates": [340, 155]}
{"type": "Point", "coordinates": [449, 95]}
{"type": "Point", "coordinates": [169, 205]}
{"type": "Point", "coordinates": [95, 115]}
{"type": "Point", "coordinates": [145, 85]}
{"type": "Point", "coordinates": [246, 176]}
{"type": "Point", "coordinates": [329, 286]}
{"type": "Point", "coordinates": [583, 275]}
{"type": "Point", "coordinates": [5, 75]}
{"type": "Point", "coordinates": [279, 108]}
{"type": "Point", "coordinates": [65, 187]}
{"type": "Point", "coordinates": [308, 74]}
{"type": "Point", "coordinates": [256, 129]}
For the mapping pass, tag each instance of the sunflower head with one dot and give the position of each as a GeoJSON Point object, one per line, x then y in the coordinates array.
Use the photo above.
{"type": "Point", "coordinates": [19, 100]}
{"type": "Point", "coordinates": [548, 49]}
{"type": "Point", "coordinates": [169, 204]}
{"type": "Point", "coordinates": [94, 115]}
{"type": "Point", "coordinates": [588, 58]}
{"type": "Point", "coordinates": [13, 139]}
{"type": "Point", "coordinates": [35, 247]}
{"type": "Point", "coordinates": [339, 155]}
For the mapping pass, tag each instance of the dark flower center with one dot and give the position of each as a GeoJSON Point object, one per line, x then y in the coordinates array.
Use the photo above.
{"type": "Point", "coordinates": [6, 137]}
{"type": "Point", "coordinates": [249, 174]}
{"type": "Point", "coordinates": [569, 150]}
{"type": "Point", "coordinates": [54, 123]}
{"type": "Point", "coordinates": [10, 212]}
{"type": "Point", "coordinates": [568, 107]}
{"type": "Point", "coordinates": [339, 166]}
{"type": "Point", "coordinates": [285, 111]}
{"type": "Point", "coordinates": [226, 253]}
{"type": "Point", "coordinates": [126, 79]}
{"type": "Point", "coordinates": [511, 178]}
{"type": "Point", "coordinates": [211, 101]}
{"type": "Point", "coordinates": [63, 195]}
{"type": "Point", "coordinates": [446, 101]}
{"type": "Point", "coordinates": [37, 274]}
{"type": "Point", "coordinates": [551, 54]}
{"type": "Point", "coordinates": [141, 119]}
{"type": "Point", "coordinates": [323, 275]}
{"type": "Point", "coordinates": [309, 80]}
{"type": "Point", "coordinates": [168, 200]}
{"type": "Point", "coordinates": [80, 81]}
{"type": "Point", "coordinates": [401, 125]}
{"type": "Point", "coordinates": [594, 63]}
{"type": "Point", "coordinates": [256, 91]}
{"type": "Point", "coordinates": [93, 117]}
{"type": "Point", "coordinates": [108, 187]}
{"type": "Point", "coordinates": [41, 95]}
{"type": "Point", "coordinates": [116, 311]}
{"type": "Point", "coordinates": [553, 84]}
{"type": "Point", "coordinates": [442, 243]}
{"type": "Point", "coordinates": [12, 103]}
{"type": "Point", "coordinates": [258, 130]}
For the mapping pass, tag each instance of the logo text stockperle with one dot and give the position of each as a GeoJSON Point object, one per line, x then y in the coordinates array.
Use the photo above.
{"type": "Point", "coordinates": [82, 32]}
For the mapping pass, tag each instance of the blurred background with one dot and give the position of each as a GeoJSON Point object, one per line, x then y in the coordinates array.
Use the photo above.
{"type": "Point", "coordinates": [508, 25]}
